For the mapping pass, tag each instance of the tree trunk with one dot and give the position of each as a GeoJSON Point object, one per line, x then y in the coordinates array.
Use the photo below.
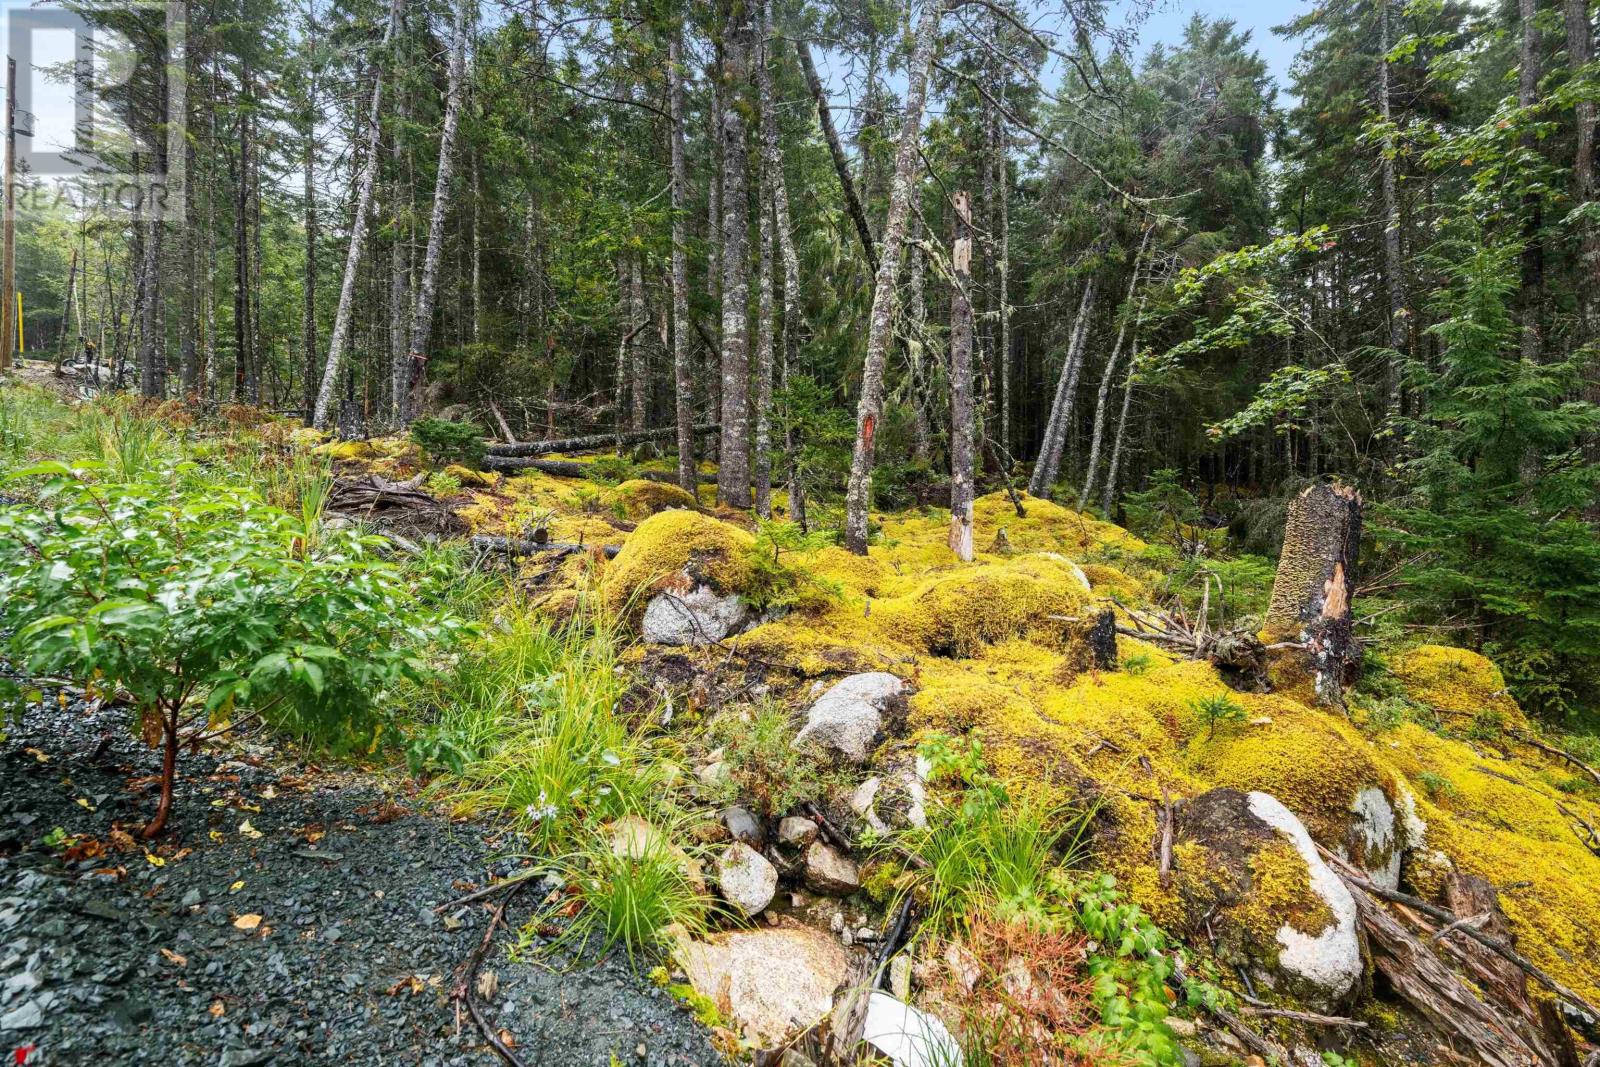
{"type": "Point", "coordinates": [916, 311]}
{"type": "Point", "coordinates": [1108, 496]}
{"type": "Point", "coordinates": [638, 352]}
{"type": "Point", "coordinates": [1532, 292]}
{"type": "Point", "coordinates": [308, 311]}
{"type": "Point", "coordinates": [1004, 267]}
{"type": "Point", "coordinates": [1580, 51]}
{"type": "Point", "coordinates": [1105, 378]}
{"type": "Point", "coordinates": [66, 311]}
{"type": "Point", "coordinates": [733, 469]}
{"type": "Point", "coordinates": [841, 165]}
{"type": "Point", "coordinates": [358, 228]}
{"type": "Point", "coordinates": [1048, 464]}
{"type": "Point", "coordinates": [858, 495]}
{"type": "Point", "coordinates": [422, 310]}
{"type": "Point", "coordinates": [241, 269]}
{"type": "Point", "coordinates": [1313, 590]}
{"type": "Point", "coordinates": [766, 201]}
{"type": "Point", "coordinates": [1399, 316]}
{"type": "Point", "coordinates": [402, 195]}
{"type": "Point", "coordinates": [682, 369]}
{"type": "Point", "coordinates": [961, 408]}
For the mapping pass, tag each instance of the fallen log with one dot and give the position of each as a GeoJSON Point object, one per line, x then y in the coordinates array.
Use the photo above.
{"type": "Point", "coordinates": [571, 468]}
{"type": "Point", "coordinates": [593, 442]}
{"type": "Point", "coordinates": [518, 546]}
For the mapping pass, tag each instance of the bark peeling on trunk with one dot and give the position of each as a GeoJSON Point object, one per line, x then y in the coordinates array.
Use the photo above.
{"type": "Point", "coordinates": [1313, 590]}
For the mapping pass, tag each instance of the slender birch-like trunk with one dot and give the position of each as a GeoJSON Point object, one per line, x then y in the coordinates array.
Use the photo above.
{"type": "Point", "coordinates": [1091, 468]}
{"type": "Point", "coordinates": [682, 369]}
{"type": "Point", "coordinates": [916, 344]}
{"type": "Point", "coordinates": [352, 262]}
{"type": "Point", "coordinates": [308, 311]}
{"type": "Point", "coordinates": [858, 495]}
{"type": "Point", "coordinates": [962, 429]}
{"type": "Point", "coordinates": [733, 466]}
{"type": "Point", "coordinates": [766, 334]}
{"type": "Point", "coordinates": [422, 311]}
{"type": "Point", "coordinates": [1004, 354]}
{"type": "Point", "coordinates": [1580, 51]}
{"type": "Point", "coordinates": [841, 165]}
{"type": "Point", "coordinates": [1047, 466]}
{"type": "Point", "coordinates": [1115, 466]}
{"type": "Point", "coordinates": [638, 354]}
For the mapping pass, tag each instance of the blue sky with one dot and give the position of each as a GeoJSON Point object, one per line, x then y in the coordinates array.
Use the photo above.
{"type": "Point", "coordinates": [1166, 24]}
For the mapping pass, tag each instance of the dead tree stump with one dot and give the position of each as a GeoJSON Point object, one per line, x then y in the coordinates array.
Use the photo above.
{"type": "Point", "coordinates": [1310, 614]}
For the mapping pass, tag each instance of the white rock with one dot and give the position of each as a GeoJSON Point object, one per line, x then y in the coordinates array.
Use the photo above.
{"type": "Point", "coordinates": [698, 617]}
{"type": "Point", "coordinates": [910, 1038]}
{"type": "Point", "coordinates": [746, 879]}
{"type": "Point", "coordinates": [769, 982]}
{"type": "Point", "coordinates": [847, 719]}
{"type": "Point", "coordinates": [1375, 827]}
{"type": "Point", "coordinates": [796, 832]}
{"type": "Point", "coordinates": [829, 871]}
{"type": "Point", "coordinates": [1332, 959]}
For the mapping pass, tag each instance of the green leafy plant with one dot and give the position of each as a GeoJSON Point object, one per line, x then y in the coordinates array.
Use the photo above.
{"type": "Point", "coordinates": [1215, 709]}
{"type": "Point", "coordinates": [207, 606]}
{"type": "Point", "coordinates": [1436, 785]}
{"type": "Point", "coordinates": [443, 441]}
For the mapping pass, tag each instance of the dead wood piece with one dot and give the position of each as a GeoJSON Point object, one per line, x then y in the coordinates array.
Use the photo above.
{"type": "Point", "coordinates": [571, 468]}
{"type": "Point", "coordinates": [1355, 878]}
{"type": "Point", "coordinates": [464, 991]}
{"type": "Point", "coordinates": [592, 442]}
{"type": "Point", "coordinates": [518, 546]}
{"type": "Point", "coordinates": [1309, 1017]}
{"type": "Point", "coordinates": [1561, 754]}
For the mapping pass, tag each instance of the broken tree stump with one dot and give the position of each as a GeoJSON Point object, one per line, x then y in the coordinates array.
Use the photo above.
{"type": "Point", "coordinates": [1309, 626]}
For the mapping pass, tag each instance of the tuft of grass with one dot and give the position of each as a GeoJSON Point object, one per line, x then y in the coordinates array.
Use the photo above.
{"type": "Point", "coordinates": [525, 724]}
{"type": "Point", "coordinates": [984, 852]}
{"type": "Point", "coordinates": [629, 898]}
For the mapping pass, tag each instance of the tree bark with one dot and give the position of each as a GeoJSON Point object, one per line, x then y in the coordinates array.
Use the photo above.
{"type": "Point", "coordinates": [1004, 267]}
{"type": "Point", "coordinates": [733, 463]}
{"type": "Point", "coordinates": [1580, 51]}
{"type": "Point", "coordinates": [1108, 495]}
{"type": "Point", "coordinates": [841, 165]}
{"type": "Point", "coordinates": [1313, 590]}
{"type": "Point", "coordinates": [858, 495]}
{"type": "Point", "coordinates": [1048, 464]}
{"type": "Point", "coordinates": [352, 263]}
{"type": "Point", "coordinates": [422, 310]}
{"type": "Point", "coordinates": [766, 334]}
{"type": "Point", "coordinates": [638, 353]}
{"type": "Point", "coordinates": [1105, 379]}
{"type": "Point", "coordinates": [961, 408]}
{"type": "Point", "coordinates": [1532, 292]}
{"type": "Point", "coordinates": [66, 311]}
{"type": "Point", "coordinates": [1394, 280]}
{"type": "Point", "coordinates": [308, 311]}
{"type": "Point", "coordinates": [682, 369]}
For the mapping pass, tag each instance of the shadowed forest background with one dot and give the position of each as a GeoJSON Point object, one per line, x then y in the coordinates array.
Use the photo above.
{"type": "Point", "coordinates": [1164, 288]}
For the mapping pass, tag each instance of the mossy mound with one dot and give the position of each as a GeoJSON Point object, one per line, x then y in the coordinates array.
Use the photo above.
{"type": "Point", "coordinates": [676, 546]}
{"type": "Point", "coordinates": [955, 615]}
{"type": "Point", "coordinates": [640, 498]}
{"type": "Point", "coordinates": [1456, 681]}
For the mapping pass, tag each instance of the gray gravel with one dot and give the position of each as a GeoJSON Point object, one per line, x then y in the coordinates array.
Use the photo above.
{"type": "Point", "coordinates": [354, 967]}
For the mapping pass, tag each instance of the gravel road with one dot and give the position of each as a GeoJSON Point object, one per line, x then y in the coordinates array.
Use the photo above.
{"type": "Point", "coordinates": [286, 918]}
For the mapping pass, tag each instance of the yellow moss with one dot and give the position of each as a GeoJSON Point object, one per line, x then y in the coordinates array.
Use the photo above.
{"type": "Point", "coordinates": [958, 613]}
{"type": "Point", "coordinates": [1109, 581]}
{"type": "Point", "coordinates": [349, 451]}
{"type": "Point", "coordinates": [469, 477]}
{"type": "Point", "coordinates": [1311, 761]}
{"type": "Point", "coordinates": [664, 546]}
{"type": "Point", "coordinates": [1456, 681]}
{"type": "Point", "coordinates": [1281, 894]}
{"type": "Point", "coordinates": [639, 498]}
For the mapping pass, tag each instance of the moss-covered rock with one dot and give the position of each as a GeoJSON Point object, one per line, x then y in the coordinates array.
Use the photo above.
{"type": "Point", "coordinates": [1457, 682]}
{"type": "Point", "coordinates": [1247, 872]}
{"type": "Point", "coordinates": [640, 498]}
{"type": "Point", "coordinates": [676, 548]}
{"type": "Point", "coordinates": [1035, 598]}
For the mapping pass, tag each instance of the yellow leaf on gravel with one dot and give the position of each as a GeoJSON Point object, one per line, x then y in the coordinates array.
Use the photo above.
{"type": "Point", "coordinates": [155, 861]}
{"type": "Point", "coordinates": [235, 887]}
{"type": "Point", "coordinates": [217, 1009]}
{"type": "Point", "coordinates": [216, 835]}
{"type": "Point", "coordinates": [249, 831]}
{"type": "Point", "coordinates": [36, 754]}
{"type": "Point", "coordinates": [247, 922]}
{"type": "Point", "coordinates": [175, 958]}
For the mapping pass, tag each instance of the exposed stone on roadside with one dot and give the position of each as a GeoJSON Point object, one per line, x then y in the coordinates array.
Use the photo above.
{"type": "Point", "coordinates": [829, 871]}
{"type": "Point", "coordinates": [746, 879]}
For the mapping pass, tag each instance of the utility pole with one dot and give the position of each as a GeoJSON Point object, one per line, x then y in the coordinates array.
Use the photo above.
{"type": "Point", "coordinates": [8, 323]}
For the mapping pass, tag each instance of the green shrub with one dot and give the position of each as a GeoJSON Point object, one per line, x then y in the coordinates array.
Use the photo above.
{"type": "Point", "coordinates": [765, 770]}
{"type": "Point", "coordinates": [443, 441]}
{"type": "Point", "coordinates": [208, 606]}
{"type": "Point", "coordinates": [777, 584]}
